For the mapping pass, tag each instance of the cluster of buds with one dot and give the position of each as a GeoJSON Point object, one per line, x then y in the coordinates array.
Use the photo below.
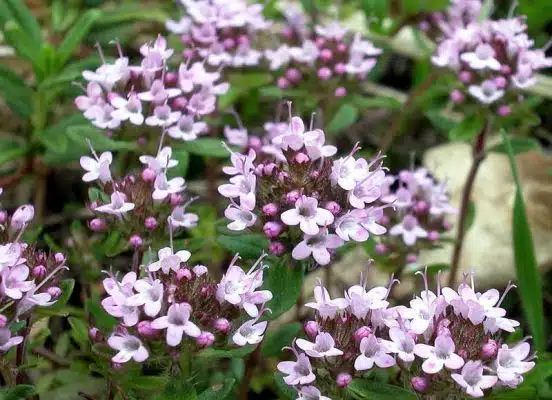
{"type": "Point", "coordinates": [447, 343]}
{"type": "Point", "coordinates": [307, 201]}
{"type": "Point", "coordinates": [137, 204]}
{"type": "Point", "coordinates": [222, 32]}
{"type": "Point", "coordinates": [418, 221]}
{"type": "Point", "coordinates": [28, 277]}
{"type": "Point", "coordinates": [325, 58]}
{"type": "Point", "coordinates": [459, 14]}
{"type": "Point", "coordinates": [493, 60]}
{"type": "Point", "coordinates": [149, 94]}
{"type": "Point", "coordinates": [175, 303]}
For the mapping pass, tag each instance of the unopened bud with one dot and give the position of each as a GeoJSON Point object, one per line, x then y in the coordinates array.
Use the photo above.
{"type": "Point", "coordinates": [135, 241]}
{"type": "Point", "coordinates": [293, 75]}
{"type": "Point", "coordinates": [326, 55]}
{"type": "Point", "coordinates": [340, 92]}
{"type": "Point", "coordinates": [333, 207]}
{"type": "Point", "coordinates": [95, 335]}
{"type": "Point", "coordinates": [282, 83]}
{"type": "Point", "coordinates": [148, 175]}
{"type": "Point", "coordinates": [3, 217]}
{"type": "Point", "coordinates": [340, 68]}
{"type": "Point", "coordinates": [411, 258]}
{"type": "Point", "coordinates": [59, 257]}
{"type": "Point", "coordinates": [311, 329]}
{"type": "Point", "coordinates": [343, 379]}
{"type": "Point", "coordinates": [433, 236]}
{"type": "Point", "coordinates": [489, 349]}
{"type": "Point", "coordinates": [361, 333]}
{"type": "Point", "coordinates": [457, 96]}
{"type": "Point", "coordinates": [22, 216]}
{"type": "Point", "coordinates": [200, 270]}
{"type": "Point", "coordinates": [419, 384]}
{"type": "Point", "coordinates": [205, 339]}
{"type": "Point", "coordinates": [222, 325]}
{"type": "Point", "coordinates": [292, 197]}
{"type": "Point", "coordinates": [183, 273]}
{"type": "Point", "coordinates": [465, 76]}
{"type": "Point", "coordinates": [146, 330]}
{"type": "Point", "coordinates": [270, 209]}
{"type": "Point", "coordinates": [272, 229]}
{"type": "Point", "coordinates": [176, 199]}
{"type": "Point", "coordinates": [324, 73]}
{"type": "Point", "coordinates": [302, 158]}
{"type": "Point", "coordinates": [54, 291]}
{"type": "Point", "coordinates": [97, 224]}
{"type": "Point", "coordinates": [150, 223]}
{"type": "Point", "coordinates": [39, 272]}
{"type": "Point", "coordinates": [504, 111]}
{"type": "Point", "coordinates": [381, 249]}
{"type": "Point", "coordinates": [3, 320]}
{"type": "Point", "coordinates": [276, 248]}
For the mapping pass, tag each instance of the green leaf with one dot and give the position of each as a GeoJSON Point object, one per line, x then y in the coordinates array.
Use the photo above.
{"type": "Point", "coordinates": [208, 147]}
{"type": "Point", "coordinates": [519, 145]}
{"type": "Point", "coordinates": [432, 269]}
{"type": "Point", "coordinates": [145, 383]}
{"type": "Point", "coordinates": [79, 331]}
{"type": "Point", "coordinates": [249, 246]}
{"type": "Point", "coordinates": [129, 13]}
{"type": "Point", "coordinates": [25, 20]}
{"type": "Point", "coordinates": [274, 341]}
{"type": "Point", "coordinates": [468, 128]}
{"type": "Point", "coordinates": [77, 33]}
{"type": "Point", "coordinates": [178, 388]}
{"type": "Point", "coordinates": [101, 318]}
{"type": "Point", "coordinates": [10, 150]}
{"type": "Point", "coordinates": [183, 158]}
{"type": "Point", "coordinates": [99, 141]}
{"type": "Point", "coordinates": [66, 287]}
{"type": "Point", "coordinates": [529, 280]}
{"type": "Point", "coordinates": [242, 84]}
{"type": "Point", "coordinates": [24, 46]}
{"type": "Point", "coordinates": [283, 389]}
{"type": "Point", "coordinates": [238, 352]}
{"type": "Point", "coordinates": [20, 392]}
{"type": "Point", "coordinates": [277, 93]}
{"type": "Point", "coordinates": [286, 283]}
{"type": "Point", "coordinates": [114, 244]}
{"type": "Point", "coordinates": [376, 102]}
{"type": "Point", "coordinates": [218, 391]}
{"type": "Point", "coordinates": [441, 122]}
{"type": "Point", "coordinates": [345, 116]}
{"type": "Point", "coordinates": [373, 390]}
{"type": "Point", "coordinates": [15, 92]}
{"type": "Point", "coordinates": [375, 8]}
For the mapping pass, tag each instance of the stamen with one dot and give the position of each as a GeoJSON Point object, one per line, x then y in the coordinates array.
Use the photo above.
{"type": "Point", "coordinates": [236, 258]}
{"type": "Point", "coordinates": [289, 112]}
{"type": "Point", "coordinates": [79, 85]}
{"type": "Point", "coordinates": [438, 282]}
{"type": "Point", "coordinates": [161, 141]}
{"type": "Point", "coordinates": [169, 219]}
{"type": "Point", "coordinates": [261, 257]}
{"type": "Point", "coordinates": [51, 275]}
{"type": "Point", "coordinates": [100, 52]}
{"type": "Point", "coordinates": [547, 45]}
{"type": "Point", "coordinates": [237, 117]}
{"type": "Point", "coordinates": [509, 287]}
{"type": "Point", "coordinates": [311, 125]}
{"type": "Point", "coordinates": [424, 276]}
{"type": "Point", "coordinates": [392, 281]}
{"type": "Point", "coordinates": [512, 9]}
{"type": "Point", "coordinates": [92, 149]}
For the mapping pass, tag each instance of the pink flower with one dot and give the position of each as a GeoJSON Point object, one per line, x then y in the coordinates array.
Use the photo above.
{"type": "Point", "coordinates": [250, 332]}
{"type": "Point", "coordinates": [510, 364]}
{"type": "Point", "coordinates": [241, 163]}
{"type": "Point", "coordinates": [368, 190]}
{"type": "Point", "coordinates": [13, 283]}
{"type": "Point", "coordinates": [7, 341]}
{"type": "Point", "coordinates": [150, 295]}
{"type": "Point", "coordinates": [177, 322]}
{"type": "Point", "coordinates": [162, 161]}
{"type": "Point", "coordinates": [482, 58]}
{"type": "Point", "coordinates": [279, 57]}
{"type": "Point", "coordinates": [118, 205]}
{"type": "Point", "coordinates": [162, 187]}
{"type": "Point", "coordinates": [438, 356]}
{"type": "Point", "coordinates": [323, 346]}
{"type": "Point", "coordinates": [117, 306]}
{"type": "Point", "coordinates": [236, 137]}
{"type": "Point", "coordinates": [308, 216]}
{"type": "Point", "coordinates": [129, 347]}
{"type": "Point", "coordinates": [373, 351]}
{"type": "Point", "coordinates": [241, 217]}
{"type": "Point", "coordinates": [409, 229]}
{"type": "Point", "coordinates": [314, 144]}
{"type": "Point", "coordinates": [326, 307]}
{"type": "Point", "coordinates": [472, 380]}
{"type": "Point", "coordinates": [310, 393]}
{"type": "Point", "coordinates": [242, 187]}
{"type": "Point", "coordinates": [163, 116]}
{"type": "Point", "coordinates": [347, 172]}
{"type": "Point", "coordinates": [130, 109]}
{"type": "Point", "coordinates": [487, 93]}
{"type": "Point", "coordinates": [93, 98]}
{"type": "Point", "coordinates": [362, 301]}
{"type": "Point", "coordinates": [298, 372]}
{"type": "Point", "coordinates": [294, 137]}
{"type": "Point", "coordinates": [317, 246]}
{"type": "Point", "coordinates": [403, 344]}
{"type": "Point", "coordinates": [169, 260]}
{"type": "Point", "coordinates": [181, 219]}
{"type": "Point", "coordinates": [22, 216]}
{"type": "Point", "coordinates": [97, 168]}
{"type": "Point", "coordinates": [158, 94]}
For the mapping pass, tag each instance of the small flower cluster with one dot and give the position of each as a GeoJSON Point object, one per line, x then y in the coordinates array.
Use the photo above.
{"type": "Point", "coordinates": [448, 342]}
{"type": "Point", "coordinates": [148, 93]}
{"type": "Point", "coordinates": [307, 201]}
{"type": "Point", "coordinates": [459, 14]}
{"type": "Point", "coordinates": [421, 205]}
{"type": "Point", "coordinates": [137, 204]}
{"type": "Point", "coordinates": [493, 61]}
{"type": "Point", "coordinates": [173, 301]}
{"type": "Point", "coordinates": [327, 54]}
{"type": "Point", "coordinates": [28, 277]}
{"type": "Point", "coordinates": [222, 32]}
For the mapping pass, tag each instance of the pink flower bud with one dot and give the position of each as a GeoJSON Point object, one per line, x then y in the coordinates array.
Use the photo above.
{"type": "Point", "coordinates": [340, 92]}
{"type": "Point", "coordinates": [150, 223]}
{"type": "Point", "coordinates": [315, 174]}
{"type": "Point", "coordinates": [59, 258]}
{"type": "Point", "coordinates": [270, 209]}
{"type": "Point", "coordinates": [506, 70]}
{"type": "Point", "coordinates": [361, 333]}
{"type": "Point", "coordinates": [272, 229]}
{"type": "Point", "coordinates": [504, 111]}
{"type": "Point", "coordinates": [171, 78]}
{"type": "Point", "coordinates": [465, 76]}
{"type": "Point", "coordinates": [135, 241]}
{"type": "Point", "coordinates": [302, 158]}
{"type": "Point", "coordinates": [141, 140]}
{"type": "Point", "coordinates": [381, 249]}
{"type": "Point", "coordinates": [463, 353]}
{"type": "Point", "coordinates": [112, 96]}
{"type": "Point", "coordinates": [311, 329]}
{"type": "Point", "coordinates": [3, 320]}
{"type": "Point", "coordinates": [183, 273]}
{"type": "Point", "coordinates": [276, 248]}
{"type": "Point", "coordinates": [293, 75]}
{"type": "Point", "coordinates": [206, 291]}
{"type": "Point", "coordinates": [259, 170]}
{"type": "Point", "coordinates": [324, 73]}
{"type": "Point", "coordinates": [433, 236]}
{"type": "Point", "coordinates": [282, 176]}
{"type": "Point", "coordinates": [326, 55]}
{"type": "Point", "coordinates": [292, 197]}
{"type": "Point", "coordinates": [342, 47]}
{"type": "Point", "coordinates": [22, 216]}
{"type": "Point", "coordinates": [339, 68]}
{"type": "Point", "coordinates": [148, 175]}
{"type": "Point", "coordinates": [97, 224]}
{"type": "Point", "coordinates": [457, 96]}
{"type": "Point", "coordinates": [332, 207]}
{"type": "Point", "coordinates": [187, 53]}
{"type": "Point", "coordinates": [255, 143]}
{"type": "Point", "coordinates": [287, 32]}
{"type": "Point", "coordinates": [54, 291]}
{"type": "Point", "coordinates": [419, 384]}
{"type": "Point", "coordinates": [243, 40]}
{"type": "Point", "coordinates": [222, 325]}
{"type": "Point", "coordinates": [200, 270]}
{"type": "Point", "coordinates": [39, 272]}
{"type": "Point", "coordinates": [116, 366]}
{"type": "Point", "coordinates": [421, 207]}
{"type": "Point", "coordinates": [146, 330]}
{"type": "Point", "coordinates": [500, 82]}
{"type": "Point", "coordinates": [282, 83]}
{"type": "Point", "coordinates": [489, 349]}
{"type": "Point", "coordinates": [95, 335]}
{"type": "Point", "coordinates": [384, 220]}
{"type": "Point", "coordinates": [3, 217]}
{"type": "Point", "coordinates": [320, 42]}
{"type": "Point", "coordinates": [180, 103]}
{"type": "Point", "coordinates": [176, 199]}
{"type": "Point", "coordinates": [205, 339]}
{"type": "Point", "coordinates": [268, 169]}
{"type": "Point", "coordinates": [229, 43]}
{"type": "Point", "coordinates": [343, 379]}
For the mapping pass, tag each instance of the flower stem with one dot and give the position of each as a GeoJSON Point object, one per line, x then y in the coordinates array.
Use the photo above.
{"type": "Point", "coordinates": [478, 154]}
{"type": "Point", "coordinates": [250, 365]}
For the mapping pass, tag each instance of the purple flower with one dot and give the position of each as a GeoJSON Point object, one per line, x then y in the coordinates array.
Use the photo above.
{"type": "Point", "coordinates": [158, 94]}
{"type": "Point", "coordinates": [161, 162]}
{"type": "Point", "coordinates": [403, 344]}
{"type": "Point", "coordinates": [472, 380]}
{"type": "Point", "coordinates": [97, 168]}
{"type": "Point", "coordinates": [306, 54]}
{"type": "Point", "coordinates": [150, 295]}
{"type": "Point", "coordinates": [13, 283]}
{"type": "Point", "coordinates": [163, 116]}
{"type": "Point", "coordinates": [242, 187]}
{"type": "Point", "coordinates": [438, 356]}
{"type": "Point", "coordinates": [279, 57]}
{"type": "Point", "coordinates": [483, 57]}
{"type": "Point", "coordinates": [163, 187]}
{"type": "Point", "coordinates": [118, 205]}
{"type": "Point", "coordinates": [22, 216]}
{"type": "Point", "coordinates": [374, 351]}
{"type": "Point", "coordinates": [241, 217]}
{"type": "Point", "coordinates": [169, 260]}
{"type": "Point", "coordinates": [236, 137]}
{"type": "Point", "coordinates": [487, 93]}
{"type": "Point", "coordinates": [11, 254]}
{"type": "Point", "coordinates": [315, 145]}
{"type": "Point", "coordinates": [159, 47]}
{"type": "Point", "coordinates": [130, 109]}
{"type": "Point", "coordinates": [326, 307]}
{"type": "Point", "coordinates": [368, 190]}
{"type": "Point", "coordinates": [177, 322]}
{"type": "Point", "coordinates": [107, 75]}
{"type": "Point", "coordinates": [307, 215]}
{"type": "Point", "coordinates": [294, 137]}
{"type": "Point", "coordinates": [409, 229]}
{"type": "Point", "coordinates": [362, 301]}
{"type": "Point", "coordinates": [241, 163]}
{"type": "Point", "coordinates": [129, 347]}
{"type": "Point", "coordinates": [181, 219]}
{"type": "Point", "coordinates": [317, 246]}
{"type": "Point", "coordinates": [186, 129]}
{"type": "Point", "coordinates": [250, 332]}
{"type": "Point", "coordinates": [350, 226]}
{"type": "Point", "coordinates": [93, 98]}
{"type": "Point", "coordinates": [323, 346]}
{"type": "Point", "coordinates": [347, 172]}
{"type": "Point", "coordinates": [7, 341]}
{"type": "Point", "coordinates": [511, 364]}
{"type": "Point", "coordinates": [298, 372]}
{"type": "Point", "coordinates": [331, 30]}
{"type": "Point", "coordinates": [310, 393]}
